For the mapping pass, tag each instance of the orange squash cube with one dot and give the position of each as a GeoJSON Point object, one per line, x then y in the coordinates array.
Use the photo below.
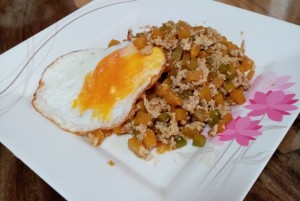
{"type": "Point", "coordinates": [205, 93]}
{"type": "Point", "coordinates": [135, 145]}
{"type": "Point", "coordinates": [250, 74]}
{"type": "Point", "coordinates": [219, 99]}
{"type": "Point", "coordinates": [183, 29]}
{"type": "Point", "coordinates": [142, 118]}
{"type": "Point", "coordinates": [157, 33]}
{"type": "Point", "coordinates": [149, 139]}
{"type": "Point", "coordinates": [172, 98]}
{"type": "Point", "coordinates": [221, 126]}
{"type": "Point", "coordinates": [140, 42]}
{"type": "Point", "coordinates": [237, 96]}
{"type": "Point", "coordinates": [247, 64]}
{"type": "Point", "coordinates": [227, 118]}
{"type": "Point", "coordinates": [180, 114]}
{"type": "Point", "coordinates": [195, 51]}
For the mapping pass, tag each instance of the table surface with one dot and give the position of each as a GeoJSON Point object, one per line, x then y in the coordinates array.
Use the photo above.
{"type": "Point", "coordinates": [19, 19]}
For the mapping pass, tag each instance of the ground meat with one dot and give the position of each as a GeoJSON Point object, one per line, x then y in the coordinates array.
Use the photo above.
{"type": "Point", "coordinates": [190, 103]}
{"type": "Point", "coordinates": [196, 125]}
{"type": "Point", "coordinates": [213, 131]}
{"type": "Point", "coordinates": [186, 44]}
{"type": "Point", "coordinates": [167, 130]}
{"type": "Point", "coordinates": [177, 82]}
{"type": "Point", "coordinates": [155, 106]}
{"type": "Point", "coordinates": [140, 130]}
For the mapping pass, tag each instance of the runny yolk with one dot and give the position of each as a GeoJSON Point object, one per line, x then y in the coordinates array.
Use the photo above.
{"type": "Point", "coordinates": [117, 76]}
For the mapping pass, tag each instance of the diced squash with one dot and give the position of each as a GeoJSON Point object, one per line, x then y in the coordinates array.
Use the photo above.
{"type": "Point", "coordinates": [200, 114]}
{"type": "Point", "coordinates": [96, 137]}
{"type": "Point", "coordinates": [211, 75]}
{"type": "Point", "coordinates": [240, 67]}
{"type": "Point", "coordinates": [167, 81]}
{"type": "Point", "coordinates": [247, 64]}
{"type": "Point", "coordinates": [165, 29]}
{"type": "Point", "coordinates": [228, 70]}
{"type": "Point", "coordinates": [163, 117]}
{"type": "Point", "coordinates": [215, 79]}
{"type": "Point", "coordinates": [227, 118]}
{"type": "Point", "coordinates": [186, 94]}
{"type": "Point", "coordinates": [202, 54]}
{"type": "Point", "coordinates": [142, 118]}
{"type": "Point", "coordinates": [162, 148]}
{"type": "Point", "coordinates": [215, 117]}
{"type": "Point", "coordinates": [228, 86]}
{"type": "Point", "coordinates": [172, 98]}
{"type": "Point", "coordinates": [140, 42]}
{"type": "Point", "coordinates": [180, 114]}
{"type": "Point", "coordinates": [237, 96]}
{"type": "Point", "coordinates": [250, 74]}
{"type": "Point", "coordinates": [205, 93]}
{"type": "Point", "coordinates": [135, 145]}
{"type": "Point", "coordinates": [161, 89]}
{"type": "Point", "coordinates": [218, 98]}
{"type": "Point", "coordinates": [192, 76]}
{"type": "Point", "coordinates": [177, 53]}
{"type": "Point", "coordinates": [195, 51]}
{"type": "Point", "coordinates": [231, 73]}
{"type": "Point", "coordinates": [186, 60]}
{"type": "Point", "coordinates": [183, 29]}
{"type": "Point", "coordinates": [149, 139]}
{"type": "Point", "coordinates": [188, 132]}
{"type": "Point", "coordinates": [157, 33]}
{"type": "Point", "coordinates": [223, 39]}
{"type": "Point", "coordinates": [193, 64]}
{"type": "Point", "coordinates": [230, 46]}
{"type": "Point", "coordinates": [223, 68]}
{"type": "Point", "coordinates": [113, 42]}
{"type": "Point", "coordinates": [221, 126]}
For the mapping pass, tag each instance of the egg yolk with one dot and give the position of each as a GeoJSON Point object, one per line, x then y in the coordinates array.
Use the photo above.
{"type": "Point", "coordinates": [115, 77]}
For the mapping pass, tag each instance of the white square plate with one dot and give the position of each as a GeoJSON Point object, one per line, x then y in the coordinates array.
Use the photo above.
{"type": "Point", "coordinates": [79, 171]}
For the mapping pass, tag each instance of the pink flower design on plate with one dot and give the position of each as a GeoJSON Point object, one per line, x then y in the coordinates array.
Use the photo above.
{"type": "Point", "coordinates": [273, 103]}
{"type": "Point", "coordinates": [242, 129]}
{"type": "Point", "coordinates": [270, 81]}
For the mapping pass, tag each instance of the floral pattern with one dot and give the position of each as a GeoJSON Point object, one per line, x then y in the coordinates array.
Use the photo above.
{"type": "Point", "coordinates": [273, 101]}
{"type": "Point", "coordinates": [270, 82]}
{"type": "Point", "coordinates": [243, 129]}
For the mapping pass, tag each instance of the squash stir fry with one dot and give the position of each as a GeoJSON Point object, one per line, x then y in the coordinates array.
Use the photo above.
{"type": "Point", "coordinates": [204, 76]}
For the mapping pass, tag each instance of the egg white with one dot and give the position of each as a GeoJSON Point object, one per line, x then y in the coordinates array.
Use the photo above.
{"type": "Point", "coordinates": [61, 83]}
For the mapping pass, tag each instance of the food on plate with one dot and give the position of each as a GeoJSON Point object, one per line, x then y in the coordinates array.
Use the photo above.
{"type": "Point", "coordinates": [93, 89]}
{"type": "Point", "coordinates": [205, 75]}
{"type": "Point", "coordinates": [188, 77]}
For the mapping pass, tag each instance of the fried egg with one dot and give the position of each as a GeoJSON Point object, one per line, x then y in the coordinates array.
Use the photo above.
{"type": "Point", "coordinates": [96, 89]}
